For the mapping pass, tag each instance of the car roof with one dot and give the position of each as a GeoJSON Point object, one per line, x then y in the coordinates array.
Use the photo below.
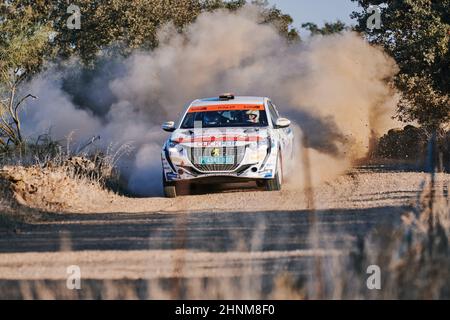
{"type": "Point", "coordinates": [236, 100]}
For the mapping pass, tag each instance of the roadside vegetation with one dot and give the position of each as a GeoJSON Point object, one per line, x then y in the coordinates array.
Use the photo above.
{"type": "Point", "coordinates": [47, 176]}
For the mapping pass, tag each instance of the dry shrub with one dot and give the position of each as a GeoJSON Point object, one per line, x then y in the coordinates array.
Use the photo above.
{"type": "Point", "coordinates": [46, 176]}
{"type": "Point", "coordinates": [413, 257]}
{"type": "Point", "coordinates": [409, 143]}
{"type": "Point", "coordinates": [422, 269]}
{"type": "Point", "coordinates": [50, 188]}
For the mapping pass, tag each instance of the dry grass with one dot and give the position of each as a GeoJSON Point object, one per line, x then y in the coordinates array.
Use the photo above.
{"type": "Point", "coordinates": [51, 188]}
{"type": "Point", "coordinates": [414, 257]}
{"type": "Point", "coordinates": [46, 176]}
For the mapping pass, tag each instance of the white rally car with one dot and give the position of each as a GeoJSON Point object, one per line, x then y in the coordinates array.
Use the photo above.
{"type": "Point", "coordinates": [225, 139]}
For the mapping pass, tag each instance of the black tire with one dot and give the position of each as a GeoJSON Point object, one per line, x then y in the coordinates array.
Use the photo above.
{"type": "Point", "coordinates": [275, 183]}
{"type": "Point", "coordinates": [170, 189]}
{"type": "Point", "coordinates": [261, 183]}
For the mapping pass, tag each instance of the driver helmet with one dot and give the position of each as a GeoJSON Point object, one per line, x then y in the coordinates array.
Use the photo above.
{"type": "Point", "coordinates": [253, 116]}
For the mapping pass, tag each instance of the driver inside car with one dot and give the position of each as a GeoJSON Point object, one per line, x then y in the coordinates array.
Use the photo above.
{"type": "Point", "coordinates": [252, 116]}
{"type": "Point", "coordinates": [212, 118]}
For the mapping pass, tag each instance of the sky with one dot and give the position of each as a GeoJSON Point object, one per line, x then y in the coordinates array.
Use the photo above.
{"type": "Point", "coordinates": [317, 11]}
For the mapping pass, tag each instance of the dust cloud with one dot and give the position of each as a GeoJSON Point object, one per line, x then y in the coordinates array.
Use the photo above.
{"type": "Point", "coordinates": [335, 88]}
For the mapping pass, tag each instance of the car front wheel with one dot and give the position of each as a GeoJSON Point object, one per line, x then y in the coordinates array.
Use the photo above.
{"type": "Point", "coordinates": [275, 183]}
{"type": "Point", "coordinates": [170, 189]}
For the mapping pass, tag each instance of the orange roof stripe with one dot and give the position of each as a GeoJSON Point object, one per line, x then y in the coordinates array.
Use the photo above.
{"type": "Point", "coordinates": [225, 107]}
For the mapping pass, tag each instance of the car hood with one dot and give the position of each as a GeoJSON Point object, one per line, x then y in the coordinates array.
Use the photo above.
{"type": "Point", "coordinates": [219, 136]}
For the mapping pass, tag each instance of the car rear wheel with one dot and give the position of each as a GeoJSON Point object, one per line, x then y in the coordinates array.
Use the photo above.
{"type": "Point", "coordinates": [170, 189]}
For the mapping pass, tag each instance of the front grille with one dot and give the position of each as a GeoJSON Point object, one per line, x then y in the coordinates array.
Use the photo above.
{"type": "Point", "coordinates": [236, 153]}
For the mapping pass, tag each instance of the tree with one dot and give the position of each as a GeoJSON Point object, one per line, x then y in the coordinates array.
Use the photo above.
{"type": "Point", "coordinates": [116, 26]}
{"type": "Point", "coordinates": [271, 15]}
{"type": "Point", "coordinates": [233, 5]}
{"type": "Point", "coordinates": [328, 28]}
{"type": "Point", "coordinates": [417, 35]}
{"type": "Point", "coordinates": [121, 26]}
{"type": "Point", "coordinates": [23, 44]}
{"type": "Point", "coordinates": [283, 22]}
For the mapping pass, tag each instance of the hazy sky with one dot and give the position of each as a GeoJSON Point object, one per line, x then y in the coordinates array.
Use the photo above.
{"type": "Point", "coordinates": [316, 11]}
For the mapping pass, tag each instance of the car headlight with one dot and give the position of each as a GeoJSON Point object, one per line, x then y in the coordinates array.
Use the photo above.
{"type": "Point", "coordinates": [174, 147]}
{"type": "Point", "coordinates": [172, 144]}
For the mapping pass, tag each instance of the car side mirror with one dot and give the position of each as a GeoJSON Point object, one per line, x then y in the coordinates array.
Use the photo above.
{"type": "Point", "coordinates": [168, 126]}
{"type": "Point", "coordinates": [282, 123]}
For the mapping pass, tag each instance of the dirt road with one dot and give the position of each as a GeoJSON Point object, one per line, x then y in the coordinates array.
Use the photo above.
{"type": "Point", "coordinates": [217, 235]}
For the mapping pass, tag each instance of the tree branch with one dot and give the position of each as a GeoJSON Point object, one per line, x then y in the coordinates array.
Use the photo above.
{"type": "Point", "coordinates": [22, 100]}
{"type": "Point", "coordinates": [3, 143]}
{"type": "Point", "coordinates": [9, 131]}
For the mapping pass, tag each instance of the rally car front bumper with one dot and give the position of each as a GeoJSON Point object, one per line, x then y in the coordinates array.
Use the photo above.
{"type": "Point", "coordinates": [254, 163]}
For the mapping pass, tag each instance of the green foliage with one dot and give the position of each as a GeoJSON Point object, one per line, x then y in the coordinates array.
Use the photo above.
{"type": "Point", "coordinates": [409, 143]}
{"type": "Point", "coordinates": [281, 21]}
{"type": "Point", "coordinates": [271, 15]}
{"type": "Point", "coordinates": [328, 28]}
{"type": "Point", "coordinates": [121, 26]}
{"type": "Point", "coordinates": [233, 5]}
{"type": "Point", "coordinates": [24, 44]}
{"type": "Point", "coordinates": [417, 35]}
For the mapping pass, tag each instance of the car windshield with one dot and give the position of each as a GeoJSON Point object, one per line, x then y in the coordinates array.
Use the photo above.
{"type": "Point", "coordinates": [227, 118]}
